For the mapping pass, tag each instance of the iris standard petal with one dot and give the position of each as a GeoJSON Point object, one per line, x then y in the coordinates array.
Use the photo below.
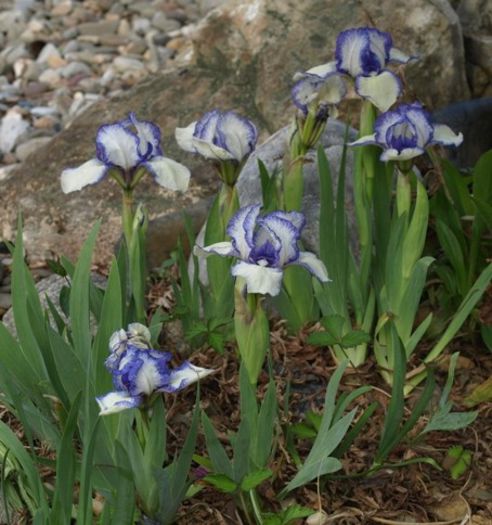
{"type": "Point", "coordinates": [91, 172]}
{"type": "Point", "coordinates": [114, 402]}
{"type": "Point", "coordinates": [416, 114]}
{"type": "Point", "coordinates": [206, 127]}
{"type": "Point", "coordinates": [241, 229]}
{"type": "Point", "coordinates": [350, 46]}
{"type": "Point", "coordinates": [314, 265]}
{"type": "Point", "coordinates": [185, 375]}
{"type": "Point", "coordinates": [286, 233]}
{"type": "Point", "coordinates": [383, 123]}
{"type": "Point", "coordinates": [382, 90]}
{"type": "Point", "coordinates": [148, 133]}
{"type": "Point", "coordinates": [117, 146]}
{"type": "Point", "coordinates": [404, 154]}
{"type": "Point", "coordinates": [225, 249]}
{"type": "Point", "coordinates": [184, 137]}
{"type": "Point", "coordinates": [236, 134]}
{"type": "Point", "coordinates": [446, 136]}
{"type": "Point", "coordinates": [305, 91]}
{"type": "Point", "coordinates": [259, 279]}
{"type": "Point", "coordinates": [168, 173]}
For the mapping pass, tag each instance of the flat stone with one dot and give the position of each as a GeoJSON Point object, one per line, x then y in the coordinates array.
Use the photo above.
{"type": "Point", "coordinates": [163, 23]}
{"type": "Point", "coordinates": [52, 77]}
{"type": "Point", "coordinates": [23, 151]}
{"type": "Point", "coordinates": [11, 128]}
{"type": "Point", "coordinates": [75, 68]}
{"type": "Point", "coordinates": [98, 28]}
{"type": "Point", "coordinates": [125, 64]}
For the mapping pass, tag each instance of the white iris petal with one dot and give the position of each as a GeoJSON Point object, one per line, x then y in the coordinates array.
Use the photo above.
{"type": "Point", "coordinates": [90, 172]}
{"type": "Point", "coordinates": [259, 279]}
{"type": "Point", "coordinates": [168, 173]}
{"type": "Point", "coordinates": [120, 146]}
{"type": "Point", "coordinates": [382, 90]}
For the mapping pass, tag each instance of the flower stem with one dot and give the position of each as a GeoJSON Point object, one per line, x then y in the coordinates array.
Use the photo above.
{"type": "Point", "coordinates": [127, 216]}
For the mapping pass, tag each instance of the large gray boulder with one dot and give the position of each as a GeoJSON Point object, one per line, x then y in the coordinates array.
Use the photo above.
{"type": "Point", "coordinates": [241, 56]}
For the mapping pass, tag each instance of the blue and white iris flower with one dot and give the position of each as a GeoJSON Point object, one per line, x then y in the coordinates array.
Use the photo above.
{"type": "Point", "coordinates": [362, 53]}
{"type": "Point", "coordinates": [139, 371]}
{"type": "Point", "coordinates": [219, 136]}
{"type": "Point", "coordinates": [126, 149]}
{"type": "Point", "coordinates": [265, 246]}
{"type": "Point", "coordinates": [405, 133]}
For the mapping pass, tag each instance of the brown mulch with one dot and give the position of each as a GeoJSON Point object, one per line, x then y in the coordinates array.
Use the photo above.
{"type": "Point", "coordinates": [415, 494]}
{"type": "Point", "coordinates": [418, 493]}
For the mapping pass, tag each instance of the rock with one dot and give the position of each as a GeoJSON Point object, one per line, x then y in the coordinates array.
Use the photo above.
{"type": "Point", "coordinates": [5, 301]}
{"type": "Point", "coordinates": [474, 119]}
{"type": "Point", "coordinates": [48, 52]}
{"type": "Point", "coordinates": [25, 149]}
{"type": "Point", "coordinates": [163, 23]}
{"type": "Point", "coordinates": [476, 19]}
{"type": "Point", "coordinates": [11, 128]}
{"type": "Point", "coordinates": [52, 77]}
{"type": "Point", "coordinates": [50, 287]}
{"type": "Point", "coordinates": [272, 153]}
{"type": "Point", "coordinates": [76, 68]}
{"type": "Point", "coordinates": [98, 28]}
{"type": "Point", "coordinates": [475, 16]}
{"type": "Point", "coordinates": [241, 56]}
{"type": "Point", "coordinates": [125, 64]}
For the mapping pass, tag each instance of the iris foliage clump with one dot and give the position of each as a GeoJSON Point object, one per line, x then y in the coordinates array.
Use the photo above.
{"type": "Point", "coordinates": [88, 380]}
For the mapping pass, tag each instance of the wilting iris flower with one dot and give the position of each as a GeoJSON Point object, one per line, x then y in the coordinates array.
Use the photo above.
{"type": "Point", "coordinates": [405, 133]}
{"type": "Point", "coordinates": [220, 136]}
{"type": "Point", "coordinates": [264, 247]}
{"type": "Point", "coordinates": [126, 150]}
{"type": "Point", "coordinates": [141, 372]}
{"type": "Point", "coordinates": [363, 53]}
{"type": "Point", "coordinates": [137, 335]}
{"type": "Point", "coordinates": [318, 87]}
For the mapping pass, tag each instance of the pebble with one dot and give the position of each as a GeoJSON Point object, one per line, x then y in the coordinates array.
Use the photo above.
{"type": "Point", "coordinates": [59, 56]}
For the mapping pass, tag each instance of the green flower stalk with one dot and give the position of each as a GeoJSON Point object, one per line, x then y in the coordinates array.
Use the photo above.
{"type": "Point", "coordinates": [126, 150]}
{"type": "Point", "coordinates": [264, 247]}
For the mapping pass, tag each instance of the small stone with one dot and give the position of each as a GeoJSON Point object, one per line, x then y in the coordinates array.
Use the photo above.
{"type": "Point", "coordinates": [46, 122]}
{"type": "Point", "coordinates": [51, 77]}
{"type": "Point", "coordinates": [56, 62]}
{"type": "Point", "coordinates": [98, 28]}
{"type": "Point", "coordinates": [75, 68]}
{"type": "Point", "coordinates": [11, 128]}
{"type": "Point", "coordinates": [34, 89]}
{"type": "Point", "coordinates": [137, 47]}
{"type": "Point", "coordinates": [49, 50]}
{"type": "Point", "coordinates": [163, 23]}
{"type": "Point", "coordinates": [62, 9]}
{"type": "Point", "coordinates": [24, 150]}
{"type": "Point", "coordinates": [124, 27]}
{"type": "Point", "coordinates": [112, 40]}
{"type": "Point", "coordinates": [124, 64]}
{"type": "Point", "coordinates": [5, 301]}
{"type": "Point", "coordinates": [5, 172]}
{"type": "Point", "coordinates": [43, 111]}
{"type": "Point", "coordinates": [140, 26]}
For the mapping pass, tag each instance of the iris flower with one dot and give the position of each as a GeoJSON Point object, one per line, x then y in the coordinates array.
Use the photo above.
{"type": "Point", "coordinates": [405, 133]}
{"type": "Point", "coordinates": [362, 53]}
{"type": "Point", "coordinates": [126, 150]}
{"type": "Point", "coordinates": [265, 246]}
{"type": "Point", "coordinates": [219, 136]}
{"type": "Point", "coordinates": [140, 371]}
